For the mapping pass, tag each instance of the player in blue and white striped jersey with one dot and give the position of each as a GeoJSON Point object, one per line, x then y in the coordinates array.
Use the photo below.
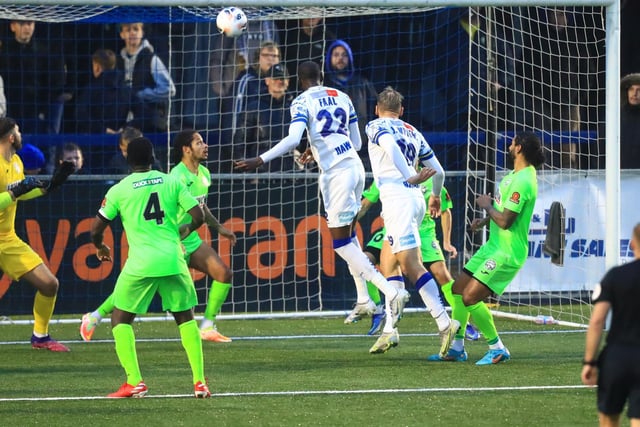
{"type": "Point", "coordinates": [331, 123]}
{"type": "Point", "coordinates": [396, 149]}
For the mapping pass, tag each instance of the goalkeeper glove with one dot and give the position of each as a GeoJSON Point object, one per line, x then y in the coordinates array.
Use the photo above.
{"type": "Point", "coordinates": [60, 175]}
{"type": "Point", "coordinates": [26, 185]}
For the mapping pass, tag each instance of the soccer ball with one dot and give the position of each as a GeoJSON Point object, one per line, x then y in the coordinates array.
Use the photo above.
{"type": "Point", "coordinates": [231, 21]}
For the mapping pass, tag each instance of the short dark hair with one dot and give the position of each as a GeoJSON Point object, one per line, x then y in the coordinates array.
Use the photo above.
{"type": "Point", "coordinates": [128, 134]}
{"type": "Point", "coordinates": [140, 152]}
{"type": "Point", "coordinates": [182, 139]}
{"type": "Point", "coordinates": [7, 125]}
{"type": "Point", "coordinates": [531, 147]}
{"type": "Point", "coordinates": [105, 57]}
{"type": "Point", "coordinates": [310, 71]}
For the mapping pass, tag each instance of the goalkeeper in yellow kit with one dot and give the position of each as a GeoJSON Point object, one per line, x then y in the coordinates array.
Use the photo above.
{"type": "Point", "coordinates": [17, 259]}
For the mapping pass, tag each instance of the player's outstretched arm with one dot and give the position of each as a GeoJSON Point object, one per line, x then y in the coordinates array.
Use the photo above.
{"type": "Point", "coordinates": [97, 235]}
{"type": "Point", "coordinates": [213, 222]}
{"type": "Point", "coordinates": [286, 145]}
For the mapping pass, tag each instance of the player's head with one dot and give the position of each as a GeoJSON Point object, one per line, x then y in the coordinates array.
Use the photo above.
{"type": "Point", "coordinates": [183, 143]}
{"type": "Point", "coordinates": [140, 153]}
{"type": "Point", "coordinates": [635, 241]}
{"type": "Point", "coordinates": [390, 101]}
{"type": "Point", "coordinates": [309, 74]}
{"type": "Point", "coordinates": [630, 94]}
{"type": "Point", "coordinates": [9, 130]}
{"type": "Point", "coordinates": [127, 135]}
{"type": "Point", "coordinates": [531, 148]}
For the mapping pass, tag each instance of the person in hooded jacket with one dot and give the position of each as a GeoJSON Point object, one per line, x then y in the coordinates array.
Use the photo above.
{"type": "Point", "coordinates": [341, 74]}
{"type": "Point", "coordinates": [148, 78]}
{"type": "Point", "coordinates": [630, 122]}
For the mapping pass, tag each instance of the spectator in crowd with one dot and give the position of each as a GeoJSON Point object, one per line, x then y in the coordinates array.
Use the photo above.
{"type": "Point", "coordinates": [250, 82]}
{"type": "Point", "coordinates": [69, 152]}
{"type": "Point", "coordinates": [630, 122]}
{"type": "Point", "coordinates": [103, 105]}
{"type": "Point", "coordinates": [258, 33]}
{"type": "Point", "coordinates": [148, 78]}
{"type": "Point", "coordinates": [266, 121]}
{"type": "Point", "coordinates": [340, 73]}
{"type": "Point", "coordinates": [555, 81]}
{"type": "Point", "coordinates": [118, 163]}
{"type": "Point", "coordinates": [3, 99]}
{"type": "Point", "coordinates": [32, 159]}
{"type": "Point", "coordinates": [614, 368]}
{"type": "Point", "coordinates": [34, 76]}
{"type": "Point", "coordinates": [305, 40]}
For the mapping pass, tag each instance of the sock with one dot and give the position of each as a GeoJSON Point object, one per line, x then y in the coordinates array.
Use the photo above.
{"type": "Point", "coordinates": [396, 281]}
{"type": "Point", "coordinates": [374, 293]}
{"type": "Point", "coordinates": [361, 287]}
{"type": "Point", "coordinates": [448, 293]}
{"type": "Point", "coordinates": [360, 264]}
{"type": "Point", "coordinates": [460, 313]}
{"type": "Point", "coordinates": [126, 350]}
{"type": "Point", "coordinates": [428, 290]}
{"type": "Point", "coordinates": [483, 319]}
{"type": "Point", "coordinates": [457, 344]}
{"type": "Point", "coordinates": [217, 296]}
{"type": "Point", "coordinates": [192, 344]}
{"type": "Point", "coordinates": [105, 309]}
{"type": "Point", "coordinates": [42, 312]}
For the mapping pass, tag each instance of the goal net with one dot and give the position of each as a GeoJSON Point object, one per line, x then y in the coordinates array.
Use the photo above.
{"type": "Point", "coordinates": [471, 78]}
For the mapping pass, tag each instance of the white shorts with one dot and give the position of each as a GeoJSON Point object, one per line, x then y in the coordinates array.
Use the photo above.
{"type": "Point", "coordinates": [402, 218]}
{"type": "Point", "coordinates": [341, 187]}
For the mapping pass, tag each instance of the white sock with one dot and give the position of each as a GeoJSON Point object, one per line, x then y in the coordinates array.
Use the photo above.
{"type": "Point", "coordinates": [361, 266]}
{"type": "Point", "coordinates": [497, 346]}
{"type": "Point", "coordinates": [457, 344]}
{"type": "Point", "coordinates": [431, 298]}
{"type": "Point", "coordinates": [361, 287]}
{"type": "Point", "coordinates": [206, 324]}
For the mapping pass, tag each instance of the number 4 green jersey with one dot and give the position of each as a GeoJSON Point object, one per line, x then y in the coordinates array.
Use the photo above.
{"type": "Point", "coordinates": [149, 204]}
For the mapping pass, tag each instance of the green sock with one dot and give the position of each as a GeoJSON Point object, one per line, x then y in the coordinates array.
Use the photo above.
{"type": "Point", "coordinates": [126, 350]}
{"type": "Point", "coordinates": [192, 344]}
{"type": "Point", "coordinates": [106, 308]}
{"type": "Point", "coordinates": [483, 319]}
{"type": "Point", "coordinates": [374, 293]}
{"type": "Point", "coordinates": [217, 296]}
{"type": "Point", "coordinates": [448, 293]}
{"type": "Point", "coordinates": [460, 313]}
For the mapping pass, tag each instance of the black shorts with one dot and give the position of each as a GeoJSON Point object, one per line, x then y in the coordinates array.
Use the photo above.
{"type": "Point", "coordinates": [619, 380]}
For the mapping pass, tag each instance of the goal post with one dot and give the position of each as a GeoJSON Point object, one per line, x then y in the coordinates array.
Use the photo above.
{"type": "Point", "coordinates": [283, 263]}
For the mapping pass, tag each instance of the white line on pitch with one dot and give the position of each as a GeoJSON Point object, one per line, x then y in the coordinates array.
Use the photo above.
{"type": "Point", "coordinates": [313, 392]}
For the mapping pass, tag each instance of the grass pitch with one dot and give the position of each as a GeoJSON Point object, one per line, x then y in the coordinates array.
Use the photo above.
{"type": "Point", "coordinates": [307, 372]}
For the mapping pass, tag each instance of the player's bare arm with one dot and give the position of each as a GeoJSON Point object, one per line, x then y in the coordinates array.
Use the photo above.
{"type": "Point", "coordinates": [503, 219]}
{"type": "Point", "coordinates": [97, 235]}
{"type": "Point", "coordinates": [248, 164]}
{"type": "Point", "coordinates": [213, 222]}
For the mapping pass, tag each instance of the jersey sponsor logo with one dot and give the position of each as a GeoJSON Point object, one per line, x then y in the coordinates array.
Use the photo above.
{"type": "Point", "coordinates": [145, 182]}
{"type": "Point", "coordinates": [515, 198]}
{"type": "Point", "coordinates": [332, 92]}
{"type": "Point", "coordinates": [408, 240]}
{"type": "Point", "coordinates": [489, 266]}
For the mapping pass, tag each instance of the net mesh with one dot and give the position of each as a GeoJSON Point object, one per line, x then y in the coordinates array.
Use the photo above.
{"type": "Point", "coordinates": [471, 78]}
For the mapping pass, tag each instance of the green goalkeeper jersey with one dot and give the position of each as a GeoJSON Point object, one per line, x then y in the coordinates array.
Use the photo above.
{"type": "Point", "coordinates": [518, 193]}
{"type": "Point", "coordinates": [149, 204]}
{"type": "Point", "coordinates": [197, 183]}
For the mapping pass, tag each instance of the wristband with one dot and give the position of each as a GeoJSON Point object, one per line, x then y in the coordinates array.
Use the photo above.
{"type": "Point", "coordinates": [589, 362]}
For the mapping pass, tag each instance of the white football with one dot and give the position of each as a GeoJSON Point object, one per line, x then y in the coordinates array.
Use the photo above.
{"type": "Point", "coordinates": [231, 21]}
